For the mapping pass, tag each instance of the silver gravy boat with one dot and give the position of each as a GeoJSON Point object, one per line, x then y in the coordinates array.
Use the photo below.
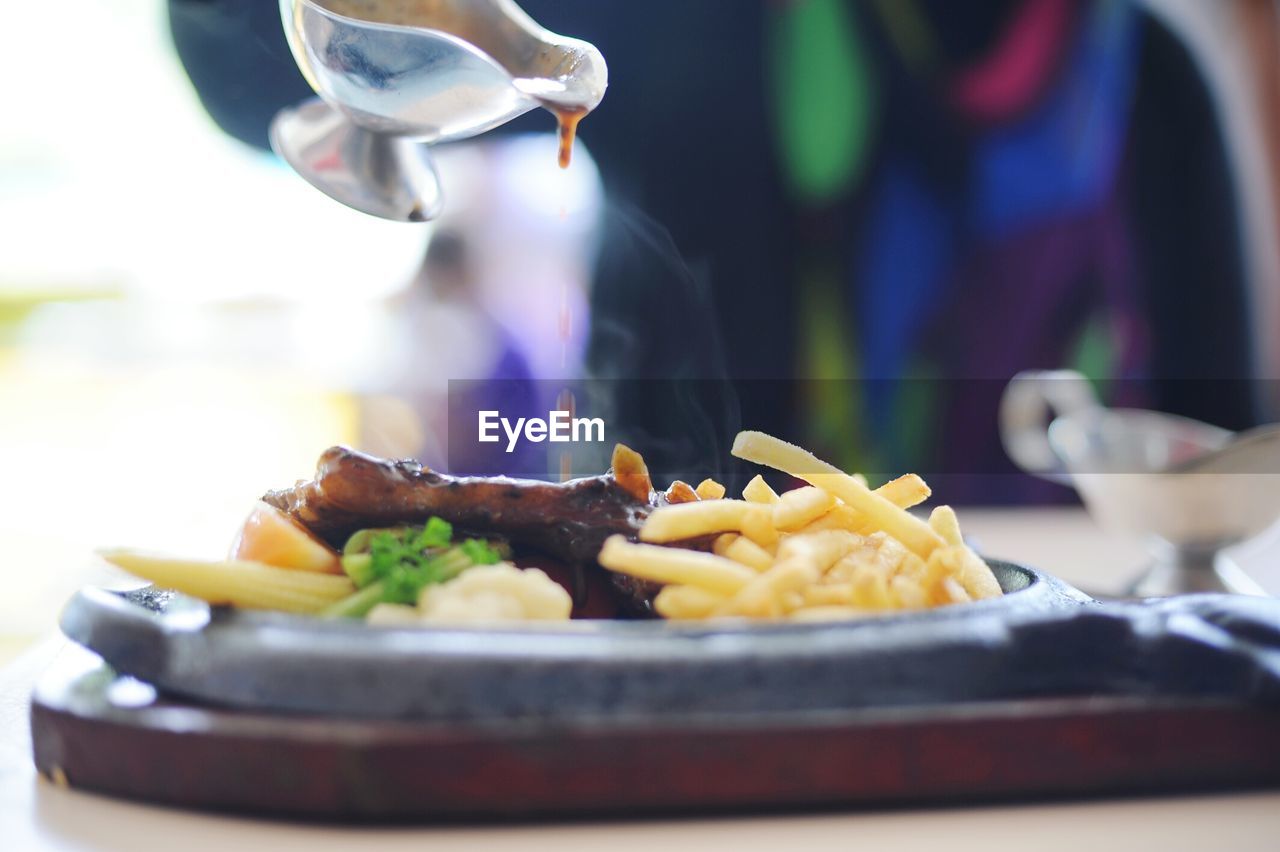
{"type": "Point", "coordinates": [1190, 489]}
{"type": "Point", "coordinates": [395, 77]}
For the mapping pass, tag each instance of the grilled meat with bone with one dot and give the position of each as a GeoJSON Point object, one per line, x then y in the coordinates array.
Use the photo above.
{"type": "Point", "coordinates": [567, 522]}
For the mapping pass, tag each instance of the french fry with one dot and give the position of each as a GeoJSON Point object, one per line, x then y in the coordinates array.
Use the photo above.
{"type": "Point", "coordinates": [870, 588]}
{"type": "Point", "coordinates": [897, 522]}
{"type": "Point", "coordinates": [822, 549]}
{"type": "Point", "coordinates": [905, 491]}
{"type": "Point", "coordinates": [744, 551]}
{"type": "Point", "coordinates": [907, 593]}
{"type": "Point", "coordinates": [868, 572]}
{"type": "Point", "coordinates": [953, 592]}
{"type": "Point", "coordinates": [927, 575]}
{"type": "Point", "coordinates": [800, 563]}
{"type": "Point", "coordinates": [976, 577]}
{"type": "Point", "coordinates": [943, 564]}
{"type": "Point", "coordinates": [722, 543]}
{"type": "Point", "coordinates": [757, 525]}
{"type": "Point", "coordinates": [946, 524]}
{"type": "Point", "coordinates": [691, 520]}
{"type": "Point", "coordinates": [801, 506]}
{"type": "Point", "coordinates": [836, 595]}
{"type": "Point", "coordinates": [885, 554]}
{"type": "Point", "coordinates": [912, 567]}
{"type": "Point", "coordinates": [841, 517]}
{"type": "Point", "coordinates": [832, 612]}
{"type": "Point", "coordinates": [830, 550]}
{"type": "Point", "coordinates": [843, 570]}
{"type": "Point", "coordinates": [249, 585]}
{"type": "Point", "coordinates": [709, 489]}
{"type": "Point", "coordinates": [681, 603]}
{"type": "Point", "coordinates": [758, 491]}
{"type": "Point", "coordinates": [675, 566]}
{"type": "Point", "coordinates": [763, 597]}
{"type": "Point", "coordinates": [968, 570]}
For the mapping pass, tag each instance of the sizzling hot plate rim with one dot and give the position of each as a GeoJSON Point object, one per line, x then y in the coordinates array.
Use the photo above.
{"type": "Point", "coordinates": [287, 663]}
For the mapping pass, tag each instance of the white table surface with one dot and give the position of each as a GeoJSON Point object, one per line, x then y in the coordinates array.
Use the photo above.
{"type": "Point", "coordinates": [34, 814]}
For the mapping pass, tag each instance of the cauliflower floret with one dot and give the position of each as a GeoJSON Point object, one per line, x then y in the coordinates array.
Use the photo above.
{"type": "Point", "coordinates": [501, 592]}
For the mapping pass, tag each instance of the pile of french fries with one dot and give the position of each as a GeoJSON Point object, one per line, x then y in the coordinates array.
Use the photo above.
{"type": "Point", "coordinates": [831, 550]}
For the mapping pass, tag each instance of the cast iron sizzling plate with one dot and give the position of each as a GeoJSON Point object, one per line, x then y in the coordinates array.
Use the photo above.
{"type": "Point", "coordinates": [1043, 639]}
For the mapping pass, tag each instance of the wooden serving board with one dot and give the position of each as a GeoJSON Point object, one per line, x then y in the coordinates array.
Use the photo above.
{"type": "Point", "coordinates": [99, 732]}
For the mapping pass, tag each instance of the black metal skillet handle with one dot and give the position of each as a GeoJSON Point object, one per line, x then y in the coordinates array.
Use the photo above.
{"type": "Point", "coordinates": [1220, 646]}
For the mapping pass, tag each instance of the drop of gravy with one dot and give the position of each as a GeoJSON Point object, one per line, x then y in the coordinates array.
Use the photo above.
{"type": "Point", "coordinates": [568, 119]}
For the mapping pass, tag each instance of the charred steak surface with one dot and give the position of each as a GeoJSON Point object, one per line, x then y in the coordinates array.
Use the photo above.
{"type": "Point", "coordinates": [570, 521]}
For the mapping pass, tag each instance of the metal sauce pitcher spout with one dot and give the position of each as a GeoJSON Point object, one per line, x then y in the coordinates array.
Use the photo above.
{"type": "Point", "coordinates": [396, 76]}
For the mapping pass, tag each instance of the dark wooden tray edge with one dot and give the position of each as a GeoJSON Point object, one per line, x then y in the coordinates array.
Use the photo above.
{"type": "Point", "coordinates": [364, 772]}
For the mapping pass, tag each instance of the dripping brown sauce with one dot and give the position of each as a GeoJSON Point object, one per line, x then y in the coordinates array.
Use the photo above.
{"type": "Point", "coordinates": [447, 17]}
{"type": "Point", "coordinates": [568, 119]}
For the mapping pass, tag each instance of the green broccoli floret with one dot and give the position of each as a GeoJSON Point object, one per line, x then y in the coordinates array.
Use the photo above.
{"type": "Point", "coordinates": [394, 566]}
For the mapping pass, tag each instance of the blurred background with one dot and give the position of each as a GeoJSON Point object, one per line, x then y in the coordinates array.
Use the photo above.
{"type": "Point", "coordinates": [857, 218]}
